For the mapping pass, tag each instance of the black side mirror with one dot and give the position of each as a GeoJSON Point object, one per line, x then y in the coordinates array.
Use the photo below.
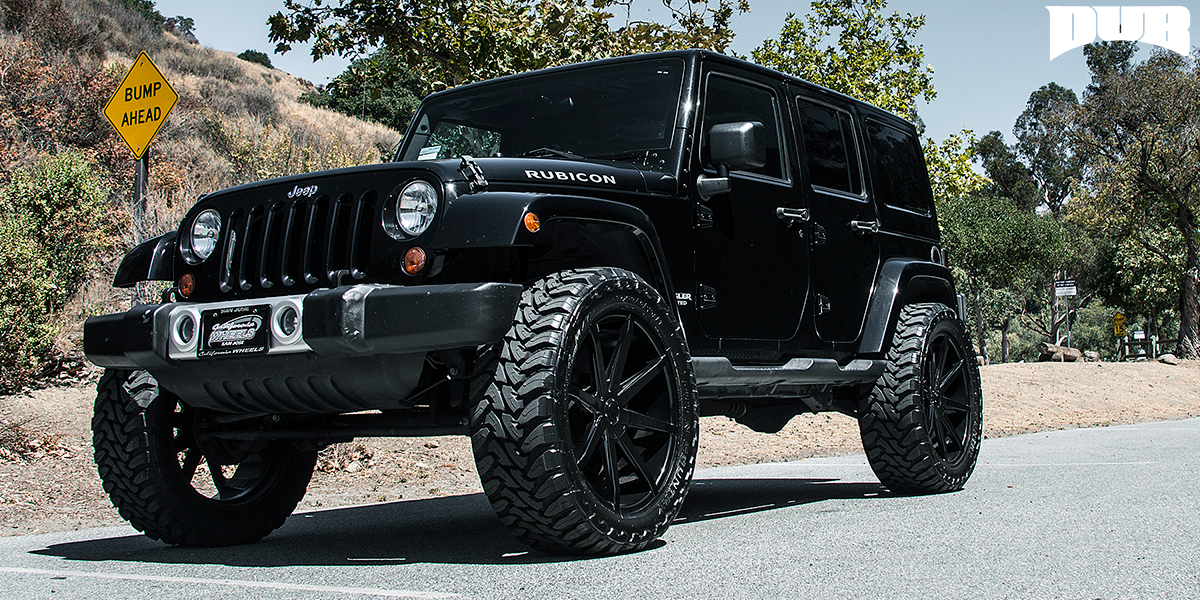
{"type": "Point", "coordinates": [732, 146]}
{"type": "Point", "coordinates": [736, 146]}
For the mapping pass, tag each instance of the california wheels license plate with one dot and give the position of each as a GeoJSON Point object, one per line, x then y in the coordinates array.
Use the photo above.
{"type": "Point", "coordinates": [234, 331]}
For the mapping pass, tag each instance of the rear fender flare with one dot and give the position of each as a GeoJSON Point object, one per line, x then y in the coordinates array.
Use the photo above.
{"type": "Point", "coordinates": [903, 281]}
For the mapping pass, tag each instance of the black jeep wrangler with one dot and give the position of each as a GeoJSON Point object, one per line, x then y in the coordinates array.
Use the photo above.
{"type": "Point", "coordinates": [571, 266]}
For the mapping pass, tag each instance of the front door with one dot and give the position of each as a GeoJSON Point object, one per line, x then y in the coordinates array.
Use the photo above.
{"type": "Point", "coordinates": [751, 268]}
{"type": "Point", "coordinates": [845, 250]}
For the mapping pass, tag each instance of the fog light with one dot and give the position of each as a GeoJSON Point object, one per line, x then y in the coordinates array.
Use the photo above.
{"type": "Point", "coordinates": [288, 321]}
{"type": "Point", "coordinates": [186, 329]}
{"type": "Point", "coordinates": [187, 285]}
{"type": "Point", "coordinates": [414, 260]}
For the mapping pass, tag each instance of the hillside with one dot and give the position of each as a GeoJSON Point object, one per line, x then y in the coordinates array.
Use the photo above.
{"type": "Point", "coordinates": [235, 122]}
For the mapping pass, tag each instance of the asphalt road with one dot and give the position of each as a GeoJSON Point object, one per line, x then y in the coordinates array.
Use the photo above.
{"type": "Point", "coordinates": [1109, 513]}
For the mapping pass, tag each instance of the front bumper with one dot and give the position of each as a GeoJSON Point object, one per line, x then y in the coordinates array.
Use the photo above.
{"type": "Point", "coordinates": [344, 322]}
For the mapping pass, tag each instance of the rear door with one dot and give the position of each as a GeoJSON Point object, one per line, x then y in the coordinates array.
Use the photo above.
{"type": "Point", "coordinates": [844, 222]}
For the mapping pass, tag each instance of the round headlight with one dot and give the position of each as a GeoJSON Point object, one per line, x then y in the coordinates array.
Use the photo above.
{"type": "Point", "coordinates": [205, 231]}
{"type": "Point", "coordinates": [415, 208]}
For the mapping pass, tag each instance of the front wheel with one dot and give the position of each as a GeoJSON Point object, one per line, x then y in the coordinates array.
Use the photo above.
{"type": "Point", "coordinates": [921, 426]}
{"type": "Point", "coordinates": [175, 483]}
{"type": "Point", "coordinates": [586, 437]}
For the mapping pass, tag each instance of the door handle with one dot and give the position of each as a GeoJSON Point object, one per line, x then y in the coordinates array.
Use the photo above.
{"type": "Point", "coordinates": [865, 226]}
{"type": "Point", "coordinates": [792, 217]}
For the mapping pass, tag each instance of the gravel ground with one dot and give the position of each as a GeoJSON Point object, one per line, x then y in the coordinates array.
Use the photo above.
{"type": "Point", "coordinates": [51, 483]}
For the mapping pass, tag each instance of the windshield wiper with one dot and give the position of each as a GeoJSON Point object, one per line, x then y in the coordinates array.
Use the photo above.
{"type": "Point", "coordinates": [544, 152]}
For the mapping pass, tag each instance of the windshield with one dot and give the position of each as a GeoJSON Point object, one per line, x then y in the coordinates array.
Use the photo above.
{"type": "Point", "coordinates": [623, 111]}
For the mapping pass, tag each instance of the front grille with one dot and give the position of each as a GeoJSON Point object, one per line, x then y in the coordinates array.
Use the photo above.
{"type": "Point", "coordinates": [323, 241]}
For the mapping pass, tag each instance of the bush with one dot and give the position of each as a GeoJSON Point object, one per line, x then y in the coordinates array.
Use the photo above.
{"type": "Point", "coordinates": [257, 57]}
{"type": "Point", "coordinates": [52, 224]}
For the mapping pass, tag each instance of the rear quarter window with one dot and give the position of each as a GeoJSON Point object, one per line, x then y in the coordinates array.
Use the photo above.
{"type": "Point", "coordinates": [898, 169]}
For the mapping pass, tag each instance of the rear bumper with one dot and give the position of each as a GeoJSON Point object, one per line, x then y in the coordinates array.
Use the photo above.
{"type": "Point", "coordinates": [349, 321]}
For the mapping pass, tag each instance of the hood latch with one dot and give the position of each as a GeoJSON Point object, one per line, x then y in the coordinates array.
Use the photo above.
{"type": "Point", "coordinates": [470, 169]}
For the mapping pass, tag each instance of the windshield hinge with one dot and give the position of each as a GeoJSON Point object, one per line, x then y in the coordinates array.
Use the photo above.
{"type": "Point", "coordinates": [470, 169]}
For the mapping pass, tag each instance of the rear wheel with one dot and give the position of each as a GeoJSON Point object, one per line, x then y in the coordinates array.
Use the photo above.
{"type": "Point", "coordinates": [175, 483]}
{"type": "Point", "coordinates": [922, 424]}
{"type": "Point", "coordinates": [586, 437]}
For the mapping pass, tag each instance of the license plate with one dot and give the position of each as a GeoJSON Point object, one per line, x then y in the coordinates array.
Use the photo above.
{"type": "Point", "coordinates": [234, 331]}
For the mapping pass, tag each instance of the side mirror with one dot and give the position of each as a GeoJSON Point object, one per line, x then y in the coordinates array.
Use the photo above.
{"type": "Point", "coordinates": [732, 146]}
{"type": "Point", "coordinates": [738, 146]}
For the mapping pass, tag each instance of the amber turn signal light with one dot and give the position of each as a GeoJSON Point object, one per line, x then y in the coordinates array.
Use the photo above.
{"type": "Point", "coordinates": [414, 260]}
{"type": "Point", "coordinates": [187, 285]}
{"type": "Point", "coordinates": [532, 223]}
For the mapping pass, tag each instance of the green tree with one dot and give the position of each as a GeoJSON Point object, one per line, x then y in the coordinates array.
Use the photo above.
{"type": "Point", "coordinates": [1008, 176]}
{"type": "Point", "coordinates": [996, 244]}
{"type": "Point", "coordinates": [1043, 140]}
{"type": "Point", "coordinates": [377, 88]}
{"type": "Point", "coordinates": [1139, 128]}
{"type": "Point", "coordinates": [853, 47]}
{"type": "Point", "coordinates": [452, 42]}
{"type": "Point", "coordinates": [949, 165]}
{"type": "Point", "coordinates": [256, 57]}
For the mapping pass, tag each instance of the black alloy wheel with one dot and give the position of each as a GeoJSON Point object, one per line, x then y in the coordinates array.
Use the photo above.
{"type": "Point", "coordinates": [922, 423]}
{"type": "Point", "coordinates": [586, 436]}
{"type": "Point", "coordinates": [176, 483]}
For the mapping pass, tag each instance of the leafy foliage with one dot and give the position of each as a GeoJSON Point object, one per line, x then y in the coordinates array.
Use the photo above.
{"type": "Point", "coordinates": [452, 42]}
{"type": "Point", "coordinates": [1043, 139]}
{"type": "Point", "coordinates": [1139, 127]}
{"type": "Point", "coordinates": [378, 88]}
{"type": "Point", "coordinates": [1008, 176]}
{"type": "Point", "coordinates": [949, 165]}
{"type": "Point", "coordinates": [873, 58]}
{"type": "Point", "coordinates": [256, 57]}
{"type": "Point", "coordinates": [52, 223]}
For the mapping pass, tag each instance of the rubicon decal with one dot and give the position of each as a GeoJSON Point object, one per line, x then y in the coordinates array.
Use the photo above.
{"type": "Point", "coordinates": [568, 176]}
{"type": "Point", "coordinates": [241, 329]}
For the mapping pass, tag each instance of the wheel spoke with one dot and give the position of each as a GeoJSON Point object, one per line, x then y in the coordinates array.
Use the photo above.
{"type": "Point", "coordinates": [630, 387]}
{"type": "Point", "coordinates": [949, 432]}
{"type": "Point", "coordinates": [617, 366]}
{"type": "Point", "coordinates": [585, 400]}
{"type": "Point", "coordinates": [949, 377]}
{"type": "Point", "coordinates": [598, 381]}
{"type": "Point", "coordinates": [594, 435]}
{"type": "Point", "coordinates": [956, 404]}
{"type": "Point", "coordinates": [635, 459]}
{"type": "Point", "coordinates": [942, 352]}
{"type": "Point", "coordinates": [637, 420]}
{"type": "Point", "coordinates": [224, 490]}
{"type": "Point", "coordinates": [191, 460]}
{"type": "Point", "coordinates": [610, 463]}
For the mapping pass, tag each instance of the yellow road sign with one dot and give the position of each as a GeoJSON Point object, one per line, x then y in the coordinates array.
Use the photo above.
{"type": "Point", "coordinates": [1118, 318]}
{"type": "Point", "coordinates": [1119, 329]}
{"type": "Point", "coordinates": [140, 105]}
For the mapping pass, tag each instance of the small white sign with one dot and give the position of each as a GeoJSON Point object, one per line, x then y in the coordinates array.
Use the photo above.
{"type": "Point", "coordinates": [1139, 335]}
{"type": "Point", "coordinates": [1064, 288]}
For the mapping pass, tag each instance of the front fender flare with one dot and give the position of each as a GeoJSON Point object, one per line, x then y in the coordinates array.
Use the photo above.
{"type": "Point", "coordinates": [153, 259]}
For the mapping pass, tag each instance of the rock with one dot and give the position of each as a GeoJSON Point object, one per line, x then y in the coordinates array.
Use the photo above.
{"type": "Point", "coordinates": [431, 444]}
{"type": "Point", "coordinates": [1168, 359]}
{"type": "Point", "coordinates": [1091, 356]}
{"type": "Point", "coordinates": [355, 467]}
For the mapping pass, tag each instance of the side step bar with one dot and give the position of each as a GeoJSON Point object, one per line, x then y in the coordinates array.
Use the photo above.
{"type": "Point", "coordinates": [717, 371]}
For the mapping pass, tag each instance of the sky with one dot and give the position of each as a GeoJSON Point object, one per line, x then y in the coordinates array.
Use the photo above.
{"type": "Point", "coordinates": [988, 56]}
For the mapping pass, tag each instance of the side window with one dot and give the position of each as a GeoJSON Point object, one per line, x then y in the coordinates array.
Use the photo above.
{"type": "Point", "coordinates": [830, 146]}
{"type": "Point", "coordinates": [730, 100]}
{"type": "Point", "coordinates": [897, 168]}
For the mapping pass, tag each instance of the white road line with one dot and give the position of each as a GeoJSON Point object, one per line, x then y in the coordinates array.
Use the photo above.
{"type": "Point", "coordinates": [275, 585]}
{"type": "Point", "coordinates": [1075, 464]}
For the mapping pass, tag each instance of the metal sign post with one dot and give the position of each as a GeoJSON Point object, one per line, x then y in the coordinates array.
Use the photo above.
{"type": "Point", "coordinates": [1066, 288]}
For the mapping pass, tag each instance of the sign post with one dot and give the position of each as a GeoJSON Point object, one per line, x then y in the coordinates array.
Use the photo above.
{"type": "Point", "coordinates": [137, 110]}
{"type": "Point", "coordinates": [1066, 288]}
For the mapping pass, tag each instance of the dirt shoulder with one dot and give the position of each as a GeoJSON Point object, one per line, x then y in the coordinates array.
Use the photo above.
{"type": "Point", "coordinates": [54, 487]}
